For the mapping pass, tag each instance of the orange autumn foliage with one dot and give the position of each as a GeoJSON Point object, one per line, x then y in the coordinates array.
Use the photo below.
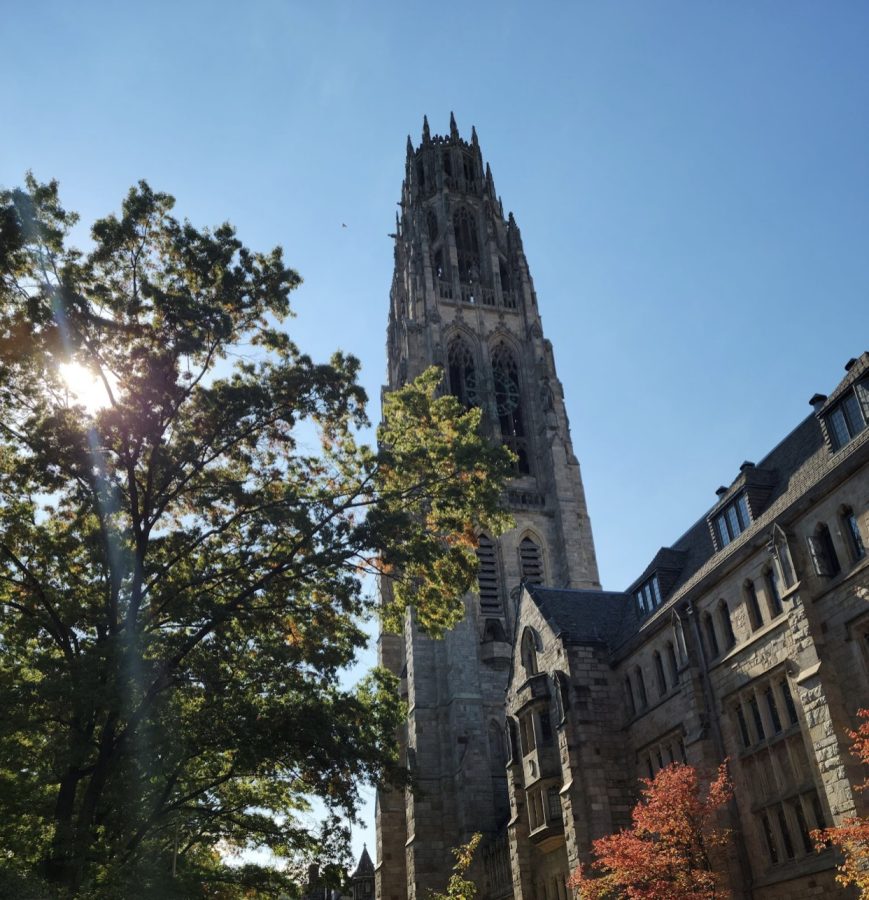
{"type": "Point", "coordinates": [852, 836]}
{"type": "Point", "coordinates": [664, 856]}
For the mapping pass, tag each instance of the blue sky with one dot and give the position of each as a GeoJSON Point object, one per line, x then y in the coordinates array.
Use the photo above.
{"type": "Point", "coordinates": [691, 182]}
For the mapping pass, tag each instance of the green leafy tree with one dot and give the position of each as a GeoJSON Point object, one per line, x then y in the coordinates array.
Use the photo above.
{"type": "Point", "coordinates": [460, 887]}
{"type": "Point", "coordinates": [181, 581]}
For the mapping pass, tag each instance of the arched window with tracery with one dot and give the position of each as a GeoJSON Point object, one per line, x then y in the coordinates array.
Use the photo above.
{"type": "Point", "coordinates": [487, 576]}
{"type": "Point", "coordinates": [530, 561]}
{"type": "Point", "coordinates": [508, 402]}
{"type": "Point", "coordinates": [467, 245]}
{"type": "Point", "coordinates": [461, 373]}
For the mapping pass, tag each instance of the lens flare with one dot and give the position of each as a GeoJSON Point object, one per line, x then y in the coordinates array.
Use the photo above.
{"type": "Point", "coordinates": [83, 386]}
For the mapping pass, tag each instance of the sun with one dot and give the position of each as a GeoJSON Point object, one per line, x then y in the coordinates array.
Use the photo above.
{"type": "Point", "coordinates": [83, 386]}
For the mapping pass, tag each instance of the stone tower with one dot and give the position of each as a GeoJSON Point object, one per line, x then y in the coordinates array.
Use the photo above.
{"type": "Point", "coordinates": [462, 298]}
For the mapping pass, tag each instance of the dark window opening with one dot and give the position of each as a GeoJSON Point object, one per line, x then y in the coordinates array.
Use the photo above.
{"type": "Point", "coordinates": [711, 636]}
{"type": "Point", "coordinates": [508, 403]}
{"type": "Point", "coordinates": [659, 671]}
{"type": "Point", "coordinates": [726, 624]}
{"type": "Point", "coordinates": [786, 834]}
{"type": "Point", "coordinates": [732, 520]}
{"type": "Point", "coordinates": [641, 687]}
{"type": "Point", "coordinates": [753, 606]}
{"type": "Point", "coordinates": [461, 374]}
{"type": "Point", "coordinates": [487, 576]}
{"type": "Point", "coordinates": [773, 592]}
{"type": "Point", "coordinates": [530, 562]}
{"type": "Point", "coordinates": [467, 245]}
{"type": "Point", "coordinates": [852, 534]}
{"type": "Point", "coordinates": [789, 701]}
{"type": "Point", "coordinates": [743, 727]}
{"type": "Point", "coordinates": [770, 840]}
{"type": "Point", "coordinates": [756, 718]}
{"type": "Point", "coordinates": [773, 710]}
{"type": "Point", "coordinates": [432, 220]}
{"type": "Point", "coordinates": [846, 420]}
{"type": "Point", "coordinates": [823, 552]}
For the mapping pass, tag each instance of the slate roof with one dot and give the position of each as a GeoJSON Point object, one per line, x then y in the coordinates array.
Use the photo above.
{"type": "Point", "coordinates": [365, 866]}
{"type": "Point", "coordinates": [799, 461]}
{"type": "Point", "coordinates": [585, 616]}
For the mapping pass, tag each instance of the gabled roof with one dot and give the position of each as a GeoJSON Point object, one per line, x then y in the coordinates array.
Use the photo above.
{"type": "Point", "coordinates": [585, 616]}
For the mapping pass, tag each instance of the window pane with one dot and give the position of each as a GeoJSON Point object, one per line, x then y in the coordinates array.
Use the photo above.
{"type": "Point", "coordinates": [852, 529]}
{"type": "Point", "coordinates": [773, 710]}
{"type": "Point", "coordinates": [770, 841]}
{"type": "Point", "coordinates": [789, 701]}
{"type": "Point", "coordinates": [743, 727]}
{"type": "Point", "coordinates": [853, 415]}
{"type": "Point", "coordinates": [786, 834]}
{"type": "Point", "coordinates": [657, 590]}
{"type": "Point", "coordinates": [838, 428]}
{"type": "Point", "coordinates": [742, 510]}
{"type": "Point", "coordinates": [755, 715]}
{"type": "Point", "coordinates": [723, 533]}
{"type": "Point", "coordinates": [732, 521]}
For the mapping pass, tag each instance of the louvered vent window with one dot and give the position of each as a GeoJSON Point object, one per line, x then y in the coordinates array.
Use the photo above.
{"type": "Point", "coordinates": [531, 562]}
{"type": "Point", "coordinates": [487, 577]}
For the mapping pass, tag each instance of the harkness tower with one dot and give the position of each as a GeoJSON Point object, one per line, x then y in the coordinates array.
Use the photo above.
{"type": "Point", "coordinates": [462, 298]}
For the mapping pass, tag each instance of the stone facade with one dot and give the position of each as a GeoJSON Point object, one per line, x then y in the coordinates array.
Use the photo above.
{"type": "Point", "coordinates": [748, 639]}
{"type": "Point", "coordinates": [462, 298]}
{"type": "Point", "coordinates": [736, 642]}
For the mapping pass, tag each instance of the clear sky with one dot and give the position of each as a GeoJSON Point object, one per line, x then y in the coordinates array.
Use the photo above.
{"type": "Point", "coordinates": [691, 181]}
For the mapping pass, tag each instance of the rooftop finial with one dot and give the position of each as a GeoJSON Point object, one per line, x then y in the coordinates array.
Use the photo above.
{"type": "Point", "coordinates": [454, 129]}
{"type": "Point", "coordinates": [426, 134]}
{"type": "Point", "coordinates": [474, 140]}
{"type": "Point", "coordinates": [409, 146]}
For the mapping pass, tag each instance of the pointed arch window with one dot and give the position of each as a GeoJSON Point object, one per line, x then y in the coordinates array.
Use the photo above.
{"type": "Point", "coordinates": [726, 624]}
{"type": "Point", "coordinates": [461, 373]}
{"type": "Point", "coordinates": [467, 245]}
{"type": "Point", "coordinates": [487, 576]}
{"type": "Point", "coordinates": [659, 672]}
{"type": "Point", "coordinates": [508, 402]}
{"type": "Point", "coordinates": [530, 562]}
{"type": "Point", "coordinates": [432, 221]}
{"type": "Point", "coordinates": [529, 653]}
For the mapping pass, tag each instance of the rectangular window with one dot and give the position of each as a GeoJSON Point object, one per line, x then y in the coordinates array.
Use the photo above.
{"type": "Point", "coordinates": [852, 533]}
{"type": "Point", "coordinates": [755, 715]}
{"type": "Point", "coordinates": [770, 840]}
{"type": "Point", "coordinates": [789, 701]}
{"type": "Point", "coordinates": [732, 520]}
{"type": "Point", "coordinates": [773, 710]}
{"type": "Point", "coordinates": [846, 420]}
{"type": "Point", "coordinates": [648, 596]}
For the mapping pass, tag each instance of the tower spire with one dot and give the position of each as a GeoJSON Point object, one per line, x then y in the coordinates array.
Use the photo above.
{"type": "Point", "coordinates": [454, 129]}
{"type": "Point", "coordinates": [426, 134]}
{"type": "Point", "coordinates": [474, 140]}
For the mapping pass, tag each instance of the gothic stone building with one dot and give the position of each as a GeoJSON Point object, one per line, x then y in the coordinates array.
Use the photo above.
{"type": "Point", "coordinates": [747, 640]}
{"type": "Point", "coordinates": [735, 641]}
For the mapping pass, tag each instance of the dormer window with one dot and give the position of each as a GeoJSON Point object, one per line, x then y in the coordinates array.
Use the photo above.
{"type": "Point", "coordinates": [648, 596]}
{"type": "Point", "coordinates": [848, 417]}
{"type": "Point", "coordinates": [732, 520]}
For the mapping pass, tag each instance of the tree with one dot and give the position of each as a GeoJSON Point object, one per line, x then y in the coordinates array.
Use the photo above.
{"type": "Point", "coordinates": [852, 836]}
{"type": "Point", "coordinates": [181, 581]}
{"type": "Point", "coordinates": [665, 855]}
{"type": "Point", "coordinates": [459, 887]}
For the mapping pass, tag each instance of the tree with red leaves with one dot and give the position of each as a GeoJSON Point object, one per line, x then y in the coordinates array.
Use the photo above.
{"type": "Point", "coordinates": [852, 836]}
{"type": "Point", "coordinates": [665, 855]}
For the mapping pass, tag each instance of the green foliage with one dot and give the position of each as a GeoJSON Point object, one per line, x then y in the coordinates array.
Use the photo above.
{"type": "Point", "coordinates": [459, 887]}
{"type": "Point", "coordinates": [180, 582]}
